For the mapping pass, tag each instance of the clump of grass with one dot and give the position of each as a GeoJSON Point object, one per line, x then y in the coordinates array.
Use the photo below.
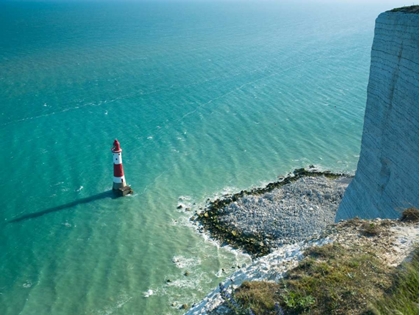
{"type": "Point", "coordinates": [403, 297]}
{"type": "Point", "coordinates": [296, 301]}
{"type": "Point", "coordinates": [259, 296]}
{"type": "Point", "coordinates": [410, 215]}
{"type": "Point", "coordinates": [370, 228]}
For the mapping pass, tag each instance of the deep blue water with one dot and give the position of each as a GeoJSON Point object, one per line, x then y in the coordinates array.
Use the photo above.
{"type": "Point", "coordinates": [205, 98]}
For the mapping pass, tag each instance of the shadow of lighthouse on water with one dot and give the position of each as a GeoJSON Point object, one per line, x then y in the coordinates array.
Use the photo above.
{"type": "Point", "coordinates": [119, 188]}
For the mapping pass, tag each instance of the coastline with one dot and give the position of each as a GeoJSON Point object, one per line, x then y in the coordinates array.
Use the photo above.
{"type": "Point", "coordinates": [392, 242]}
{"type": "Point", "coordinates": [315, 195]}
{"type": "Point", "coordinates": [292, 209]}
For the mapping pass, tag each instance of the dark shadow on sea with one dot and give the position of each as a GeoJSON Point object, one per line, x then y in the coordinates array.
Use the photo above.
{"type": "Point", "coordinates": [103, 195]}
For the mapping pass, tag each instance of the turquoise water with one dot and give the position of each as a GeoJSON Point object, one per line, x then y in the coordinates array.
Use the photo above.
{"type": "Point", "coordinates": [205, 98]}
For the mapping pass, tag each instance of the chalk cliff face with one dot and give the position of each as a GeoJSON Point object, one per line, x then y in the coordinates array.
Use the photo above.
{"type": "Point", "coordinates": [387, 176]}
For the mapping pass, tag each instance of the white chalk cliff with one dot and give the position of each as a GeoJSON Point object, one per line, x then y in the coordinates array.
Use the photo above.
{"type": "Point", "coordinates": [387, 176]}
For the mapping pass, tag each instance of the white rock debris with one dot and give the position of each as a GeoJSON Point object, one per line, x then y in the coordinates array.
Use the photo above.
{"type": "Point", "coordinates": [290, 213]}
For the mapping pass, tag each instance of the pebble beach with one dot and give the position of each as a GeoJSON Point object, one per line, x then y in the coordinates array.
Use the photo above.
{"type": "Point", "coordinates": [291, 210]}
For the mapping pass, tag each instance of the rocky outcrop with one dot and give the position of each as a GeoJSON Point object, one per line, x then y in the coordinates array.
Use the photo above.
{"type": "Point", "coordinates": [387, 176]}
{"type": "Point", "coordinates": [292, 209]}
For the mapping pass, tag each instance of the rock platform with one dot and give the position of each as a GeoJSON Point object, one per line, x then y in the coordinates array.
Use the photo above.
{"type": "Point", "coordinates": [290, 210]}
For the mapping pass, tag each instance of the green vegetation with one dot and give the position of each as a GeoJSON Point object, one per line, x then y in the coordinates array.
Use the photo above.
{"type": "Point", "coordinates": [370, 228]}
{"type": "Point", "coordinates": [336, 279]}
{"type": "Point", "coordinates": [330, 280]}
{"type": "Point", "coordinates": [259, 296]}
{"type": "Point", "coordinates": [403, 297]}
{"type": "Point", "coordinates": [410, 215]}
{"type": "Point", "coordinates": [353, 275]}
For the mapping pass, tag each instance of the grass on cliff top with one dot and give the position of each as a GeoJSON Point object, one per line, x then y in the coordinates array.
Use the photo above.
{"type": "Point", "coordinates": [407, 9]}
{"type": "Point", "coordinates": [403, 297]}
{"type": "Point", "coordinates": [338, 279]}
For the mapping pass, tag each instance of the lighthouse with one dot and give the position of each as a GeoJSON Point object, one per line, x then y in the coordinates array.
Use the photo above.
{"type": "Point", "coordinates": [119, 184]}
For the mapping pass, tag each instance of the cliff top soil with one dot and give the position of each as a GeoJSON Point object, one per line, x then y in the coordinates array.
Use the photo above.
{"type": "Point", "coordinates": [411, 9]}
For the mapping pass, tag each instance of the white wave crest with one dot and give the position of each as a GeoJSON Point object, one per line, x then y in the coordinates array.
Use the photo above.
{"type": "Point", "coordinates": [183, 262]}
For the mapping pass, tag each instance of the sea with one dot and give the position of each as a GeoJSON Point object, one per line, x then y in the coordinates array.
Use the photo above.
{"type": "Point", "coordinates": [206, 98]}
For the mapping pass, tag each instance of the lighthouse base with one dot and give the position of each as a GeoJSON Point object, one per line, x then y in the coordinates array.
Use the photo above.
{"type": "Point", "coordinates": [123, 191]}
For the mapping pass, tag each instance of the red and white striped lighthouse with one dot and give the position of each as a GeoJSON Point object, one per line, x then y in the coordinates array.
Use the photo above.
{"type": "Point", "coordinates": [119, 183]}
{"type": "Point", "coordinates": [119, 178]}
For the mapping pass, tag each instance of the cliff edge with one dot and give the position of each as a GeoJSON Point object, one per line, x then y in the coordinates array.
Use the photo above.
{"type": "Point", "coordinates": [387, 176]}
